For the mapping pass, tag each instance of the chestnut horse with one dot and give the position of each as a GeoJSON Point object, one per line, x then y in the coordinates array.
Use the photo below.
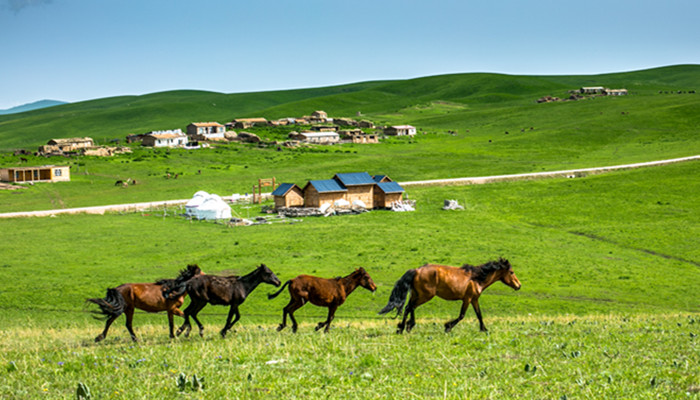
{"type": "Point", "coordinates": [450, 283]}
{"type": "Point", "coordinates": [223, 290]}
{"type": "Point", "coordinates": [330, 293]}
{"type": "Point", "coordinates": [145, 296]}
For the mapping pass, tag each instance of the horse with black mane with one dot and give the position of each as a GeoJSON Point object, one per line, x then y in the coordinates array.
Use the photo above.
{"type": "Point", "coordinates": [223, 290]}
{"type": "Point", "coordinates": [145, 296]}
{"type": "Point", "coordinates": [464, 283]}
{"type": "Point", "coordinates": [330, 293]}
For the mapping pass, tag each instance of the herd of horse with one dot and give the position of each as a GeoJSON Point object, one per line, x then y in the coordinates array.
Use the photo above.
{"type": "Point", "coordinates": [465, 283]}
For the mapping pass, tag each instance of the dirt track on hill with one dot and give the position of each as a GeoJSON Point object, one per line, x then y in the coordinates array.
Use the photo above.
{"type": "Point", "coordinates": [436, 182]}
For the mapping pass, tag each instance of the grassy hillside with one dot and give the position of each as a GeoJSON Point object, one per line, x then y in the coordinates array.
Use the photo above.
{"type": "Point", "coordinates": [111, 118]}
{"type": "Point", "coordinates": [608, 308]}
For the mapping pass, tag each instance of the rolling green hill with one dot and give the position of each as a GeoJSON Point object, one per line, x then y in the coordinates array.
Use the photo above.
{"type": "Point", "coordinates": [477, 93]}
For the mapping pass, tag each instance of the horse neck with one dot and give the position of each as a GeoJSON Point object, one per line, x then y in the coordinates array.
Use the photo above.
{"type": "Point", "coordinates": [491, 279]}
{"type": "Point", "coordinates": [349, 283]}
{"type": "Point", "coordinates": [250, 281]}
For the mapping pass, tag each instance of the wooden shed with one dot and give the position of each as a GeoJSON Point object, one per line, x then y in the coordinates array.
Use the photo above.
{"type": "Point", "coordinates": [44, 173]}
{"type": "Point", "coordinates": [288, 195]}
{"type": "Point", "coordinates": [360, 186]}
{"type": "Point", "coordinates": [386, 193]}
{"type": "Point", "coordinates": [318, 193]}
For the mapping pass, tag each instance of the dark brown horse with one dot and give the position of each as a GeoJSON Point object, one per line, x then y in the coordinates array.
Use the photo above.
{"type": "Point", "coordinates": [145, 296]}
{"type": "Point", "coordinates": [450, 283]}
{"type": "Point", "coordinates": [223, 290]}
{"type": "Point", "coordinates": [330, 293]}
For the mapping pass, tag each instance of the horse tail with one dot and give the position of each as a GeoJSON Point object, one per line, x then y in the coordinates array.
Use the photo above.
{"type": "Point", "coordinates": [112, 305]}
{"type": "Point", "coordinates": [277, 293]}
{"type": "Point", "coordinates": [397, 299]}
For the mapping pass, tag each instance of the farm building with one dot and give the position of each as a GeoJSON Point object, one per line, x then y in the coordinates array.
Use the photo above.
{"type": "Point", "coordinates": [400, 130]}
{"type": "Point", "coordinates": [360, 187]}
{"type": "Point", "coordinates": [45, 173]}
{"type": "Point", "coordinates": [58, 146]}
{"type": "Point", "coordinates": [169, 138]}
{"type": "Point", "coordinates": [245, 123]}
{"type": "Point", "coordinates": [592, 90]}
{"type": "Point", "coordinates": [386, 193]}
{"type": "Point", "coordinates": [616, 92]}
{"type": "Point", "coordinates": [318, 117]}
{"type": "Point", "coordinates": [317, 137]}
{"type": "Point", "coordinates": [318, 193]}
{"type": "Point", "coordinates": [206, 131]}
{"type": "Point", "coordinates": [288, 195]}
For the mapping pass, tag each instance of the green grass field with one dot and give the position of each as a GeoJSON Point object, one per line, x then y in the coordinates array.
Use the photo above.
{"type": "Point", "coordinates": [609, 305]}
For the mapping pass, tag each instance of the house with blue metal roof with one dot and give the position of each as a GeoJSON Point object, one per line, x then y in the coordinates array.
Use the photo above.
{"type": "Point", "coordinates": [288, 195]}
{"type": "Point", "coordinates": [360, 187]}
{"type": "Point", "coordinates": [317, 193]}
{"type": "Point", "coordinates": [386, 193]}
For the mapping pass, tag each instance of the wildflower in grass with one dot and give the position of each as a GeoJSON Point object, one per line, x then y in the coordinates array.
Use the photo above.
{"type": "Point", "coordinates": [60, 363]}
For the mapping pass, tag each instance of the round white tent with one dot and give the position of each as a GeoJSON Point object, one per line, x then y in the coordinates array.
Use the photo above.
{"type": "Point", "coordinates": [207, 206]}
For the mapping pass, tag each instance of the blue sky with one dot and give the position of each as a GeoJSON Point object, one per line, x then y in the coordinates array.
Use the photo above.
{"type": "Point", "coordinates": [74, 50]}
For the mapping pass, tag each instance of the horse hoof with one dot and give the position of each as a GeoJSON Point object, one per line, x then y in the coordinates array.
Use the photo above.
{"type": "Point", "coordinates": [279, 328]}
{"type": "Point", "coordinates": [99, 339]}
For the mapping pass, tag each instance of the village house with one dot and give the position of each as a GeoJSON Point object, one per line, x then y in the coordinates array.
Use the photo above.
{"type": "Point", "coordinates": [66, 145]}
{"type": "Point", "coordinates": [616, 92]}
{"type": "Point", "coordinates": [288, 195]}
{"type": "Point", "coordinates": [245, 123]}
{"type": "Point", "coordinates": [592, 90]}
{"type": "Point", "coordinates": [400, 130]}
{"type": "Point", "coordinates": [318, 193]}
{"type": "Point", "coordinates": [45, 173]}
{"type": "Point", "coordinates": [359, 185]}
{"type": "Point", "coordinates": [324, 128]}
{"type": "Point", "coordinates": [316, 137]}
{"type": "Point", "coordinates": [318, 117]}
{"type": "Point", "coordinates": [169, 138]}
{"type": "Point", "coordinates": [386, 193]}
{"type": "Point", "coordinates": [206, 131]}
{"type": "Point", "coordinates": [358, 136]}
{"type": "Point", "coordinates": [366, 124]}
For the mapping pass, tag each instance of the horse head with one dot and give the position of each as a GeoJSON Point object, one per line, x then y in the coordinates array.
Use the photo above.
{"type": "Point", "coordinates": [192, 271]}
{"type": "Point", "coordinates": [365, 280]}
{"type": "Point", "coordinates": [507, 275]}
{"type": "Point", "coordinates": [268, 276]}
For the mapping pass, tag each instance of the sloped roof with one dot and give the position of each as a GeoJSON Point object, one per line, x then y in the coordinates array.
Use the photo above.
{"type": "Point", "coordinates": [327, 186]}
{"type": "Point", "coordinates": [378, 178]}
{"type": "Point", "coordinates": [390, 187]}
{"type": "Point", "coordinates": [204, 124]}
{"type": "Point", "coordinates": [282, 189]}
{"type": "Point", "coordinates": [355, 178]}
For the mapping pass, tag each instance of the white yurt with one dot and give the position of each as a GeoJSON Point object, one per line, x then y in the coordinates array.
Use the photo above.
{"type": "Point", "coordinates": [207, 206]}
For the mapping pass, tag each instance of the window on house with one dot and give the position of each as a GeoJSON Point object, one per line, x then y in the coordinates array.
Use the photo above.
{"type": "Point", "coordinates": [57, 172]}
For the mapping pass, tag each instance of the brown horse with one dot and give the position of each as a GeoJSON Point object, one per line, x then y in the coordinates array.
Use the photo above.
{"type": "Point", "coordinates": [145, 296]}
{"type": "Point", "coordinates": [330, 293]}
{"type": "Point", "coordinates": [223, 290]}
{"type": "Point", "coordinates": [450, 283]}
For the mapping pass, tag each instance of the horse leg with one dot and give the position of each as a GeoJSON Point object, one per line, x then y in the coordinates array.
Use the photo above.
{"type": "Point", "coordinates": [196, 320]}
{"type": "Point", "coordinates": [129, 319]}
{"type": "Point", "coordinates": [171, 324]}
{"type": "Point", "coordinates": [449, 325]}
{"type": "Point", "coordinates": [186, 327]}
{"type": "Point", "coordinates": [103, 335]}
{"type": "Point", "coordinates": [477, 310]}
{"type": "Point", "coordinates": [284, 314]}
{"type": "Point", "coordinates": [293, 305]}
{"type": "Point", "coordinates": [410, 309]}
{"type": "Point", "coordinates": [331, 315]}
{"type": "Point", "coordinates": [231, 312]}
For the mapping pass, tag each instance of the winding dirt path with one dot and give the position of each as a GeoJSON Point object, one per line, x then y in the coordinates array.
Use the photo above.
{"type": "Point", "coordinates": [435, 182]}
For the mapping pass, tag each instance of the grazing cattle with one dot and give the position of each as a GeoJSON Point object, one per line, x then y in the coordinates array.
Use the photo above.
{"type": "Point", "coordinates": [223, 290]}
{"type": "Point", "coordinates": [329, 293]}
{"type": "Point", "coordinates": [450, 283]}
{"type": "Point", "coordinates": [145, 296]}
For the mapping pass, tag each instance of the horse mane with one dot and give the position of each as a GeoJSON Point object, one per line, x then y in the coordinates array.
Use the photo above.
{"type": "Point", "coordinates": [178, 284]}
{"type": "Point", "coordinates": [481, 272]}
